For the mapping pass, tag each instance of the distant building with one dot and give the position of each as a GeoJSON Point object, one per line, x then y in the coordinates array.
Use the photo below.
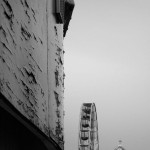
{"type": "Point", "coordinates": [32, 73]}
{"type": "Point", "coordinates": [119, 147]}
{"type": "Point", "coordinates": [88, 128]}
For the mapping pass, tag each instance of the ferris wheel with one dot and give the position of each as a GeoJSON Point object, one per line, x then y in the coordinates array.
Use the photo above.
{"type": "Point", "coordinates": [88, 128]}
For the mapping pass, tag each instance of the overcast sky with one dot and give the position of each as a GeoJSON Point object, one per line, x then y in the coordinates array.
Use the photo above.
{"type": "Point", "coordinates": [107, 61]}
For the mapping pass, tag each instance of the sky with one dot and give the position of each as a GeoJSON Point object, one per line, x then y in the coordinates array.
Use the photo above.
{"type": "Point", "coordinates": [107, 62]}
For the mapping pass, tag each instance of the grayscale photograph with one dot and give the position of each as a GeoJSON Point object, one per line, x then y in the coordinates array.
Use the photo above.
{"type": "Point", "coordinates": [74, 74]}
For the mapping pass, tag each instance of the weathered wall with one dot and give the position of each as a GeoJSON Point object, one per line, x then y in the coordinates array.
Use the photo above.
{"type": "Point", "coordinates": [31, 63]}
{"type": "Point", "coordinates": [56, 77]}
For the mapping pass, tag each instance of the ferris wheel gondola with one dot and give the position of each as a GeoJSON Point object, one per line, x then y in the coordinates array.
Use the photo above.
{"type": "Point", "coordinates": [88, 128]}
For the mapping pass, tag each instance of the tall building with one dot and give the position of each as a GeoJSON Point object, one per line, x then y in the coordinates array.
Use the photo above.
{"type": "Point", "coordinates": [88, 128]}
{"type": "Point", "coordinates": [32, 73]}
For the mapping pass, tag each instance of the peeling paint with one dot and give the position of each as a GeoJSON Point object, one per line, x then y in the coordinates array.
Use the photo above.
{"type": "Point", "coordinates": [31, 76]}
{"type": "Point", "coordinates": [3, 31]}
{"type": "Point", "coordinates": [33, 14]}
{"type": "Point", "coordinates": [31, 63]}
{"type": "Point", "coordinates": [57, 77]}
{"type": "Point", "coordinates": [25, 33]}
{"type": "Point", "coordinates": [59, 55]}
{"type": "Point", "coordinates": [5, 47]}
{"type": "Point", "coordinates": [57, 99]}
{"type": "Point", "coordinates": [56, 30]}
{"type": "Point", "coordinates": [26, 4]}
{"type": "Point", "coordinates": [59, 130]}
{"type": "Point", "coordinates": [8, 12]}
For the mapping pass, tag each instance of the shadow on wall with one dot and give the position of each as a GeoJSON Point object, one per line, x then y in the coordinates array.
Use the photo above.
{"type": "Point", "coordinates": [14, 136]}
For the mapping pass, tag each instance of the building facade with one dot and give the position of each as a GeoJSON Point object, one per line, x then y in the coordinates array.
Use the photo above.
{"type": "Point", "coordinates": [32, 73]}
